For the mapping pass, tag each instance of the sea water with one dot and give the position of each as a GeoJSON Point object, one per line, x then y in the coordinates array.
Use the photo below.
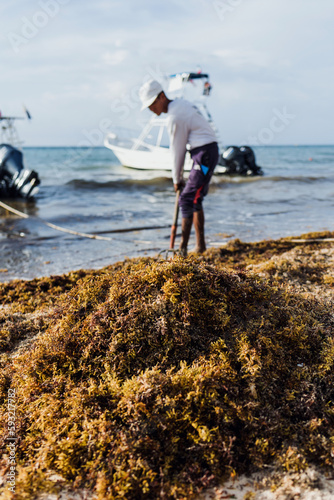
{"type": "Point", "coordinates": [86, 190]}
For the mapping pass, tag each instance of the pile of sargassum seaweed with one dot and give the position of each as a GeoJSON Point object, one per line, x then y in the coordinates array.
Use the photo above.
{"type": "Point", "coordinates": [159, 378]}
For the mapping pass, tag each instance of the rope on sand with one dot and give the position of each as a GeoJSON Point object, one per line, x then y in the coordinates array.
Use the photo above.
{"type": "Point", "coordinates": [105, 238]}
{"type": "Point", "coordinates": [84, 235]}
{"type": "Point", "coordinates": [53, 226]}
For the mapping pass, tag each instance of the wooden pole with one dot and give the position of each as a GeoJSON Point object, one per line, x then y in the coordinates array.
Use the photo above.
{"type": "Point", "coordinates": [174, 225]}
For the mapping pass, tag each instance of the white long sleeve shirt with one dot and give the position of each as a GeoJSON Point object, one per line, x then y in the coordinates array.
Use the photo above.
{"type": "Point", "coordinates": [186, 125]}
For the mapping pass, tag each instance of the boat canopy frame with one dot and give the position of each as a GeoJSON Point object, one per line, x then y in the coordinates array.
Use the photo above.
{"type": "Point", "coordinates": [8, 132]}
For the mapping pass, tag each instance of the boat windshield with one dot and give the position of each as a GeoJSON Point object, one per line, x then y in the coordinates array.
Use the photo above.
{"type": "Point", "coordinates": [191, 86]}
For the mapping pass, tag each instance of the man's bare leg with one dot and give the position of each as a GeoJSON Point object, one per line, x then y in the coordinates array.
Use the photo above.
{"type": "Point", "coordinates": [186, 228]}
{"type": "Point", "coordinates": [199, 229]}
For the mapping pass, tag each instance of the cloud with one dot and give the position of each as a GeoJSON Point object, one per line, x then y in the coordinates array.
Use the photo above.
{"type": "Point", "coordinates": [114, 58]}
{"type": "Point", "coordinates": [240, 58]}
{"type": "Point", "coordinates": [260, 55]}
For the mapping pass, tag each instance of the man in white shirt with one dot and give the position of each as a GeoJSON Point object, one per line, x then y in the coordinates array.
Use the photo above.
{"type": "Point", "coordinates": [186, 127]}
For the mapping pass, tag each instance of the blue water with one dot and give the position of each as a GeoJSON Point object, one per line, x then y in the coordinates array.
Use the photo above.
{"type": "Point", "coordinates": [86, 190]}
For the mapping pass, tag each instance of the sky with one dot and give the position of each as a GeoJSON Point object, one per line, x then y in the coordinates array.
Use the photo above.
{"type": "Point", "coordinates": [77, 66]}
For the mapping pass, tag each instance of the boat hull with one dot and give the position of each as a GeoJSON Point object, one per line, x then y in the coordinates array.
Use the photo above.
{"type": "Point", "coordinates": [154, 158]}
{"type": "Point", "coordinates": [151, 159]}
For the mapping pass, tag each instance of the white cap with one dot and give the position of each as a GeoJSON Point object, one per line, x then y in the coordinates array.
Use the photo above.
{"type": "Point", "coordinates": [149, 92]}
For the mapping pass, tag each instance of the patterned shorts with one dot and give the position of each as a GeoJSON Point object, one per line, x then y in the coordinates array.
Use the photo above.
{"type": "Point", "coordinates": [205, 158]}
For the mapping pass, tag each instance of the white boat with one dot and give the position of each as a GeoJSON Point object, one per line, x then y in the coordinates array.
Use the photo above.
{"type": "Point", "coordinates": [150, 150]}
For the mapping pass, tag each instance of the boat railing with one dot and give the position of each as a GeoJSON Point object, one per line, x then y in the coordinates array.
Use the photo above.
{"type": "Point", "coordinates": [8, 132]}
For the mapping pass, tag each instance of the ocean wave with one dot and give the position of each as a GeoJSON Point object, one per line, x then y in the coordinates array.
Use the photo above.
{"type": "Point", "coordinates": [119, 184]}
{"type": "Point", "coordinates": [271, 178]}
{"type": "Point", "coordinates": [296, 178]}
{"type": "Point", "coordinates": [165, 183]}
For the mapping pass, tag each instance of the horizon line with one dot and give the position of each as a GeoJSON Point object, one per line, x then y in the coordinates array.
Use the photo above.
{"type": "Point", "coordinates": [251, 145]}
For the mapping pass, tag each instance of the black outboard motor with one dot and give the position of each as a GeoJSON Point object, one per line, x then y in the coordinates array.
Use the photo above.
{"type": "Point", "coordinates": [240, 161]}
{"type": "Point", "coordinates": [15, 180]}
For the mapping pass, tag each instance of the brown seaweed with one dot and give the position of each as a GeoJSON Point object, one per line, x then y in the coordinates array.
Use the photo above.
{"type": "Point", "coordinates": [156, 379]}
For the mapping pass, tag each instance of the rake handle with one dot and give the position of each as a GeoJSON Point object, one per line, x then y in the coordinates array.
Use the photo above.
{"type": "Point", "coordinates": [174, 225]}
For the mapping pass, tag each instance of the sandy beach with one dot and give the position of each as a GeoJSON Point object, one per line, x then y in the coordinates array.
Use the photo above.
{"type": "Point", "coordinates": [128, 373]}
{"type": "Point", "coordinates": [308, 485]}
